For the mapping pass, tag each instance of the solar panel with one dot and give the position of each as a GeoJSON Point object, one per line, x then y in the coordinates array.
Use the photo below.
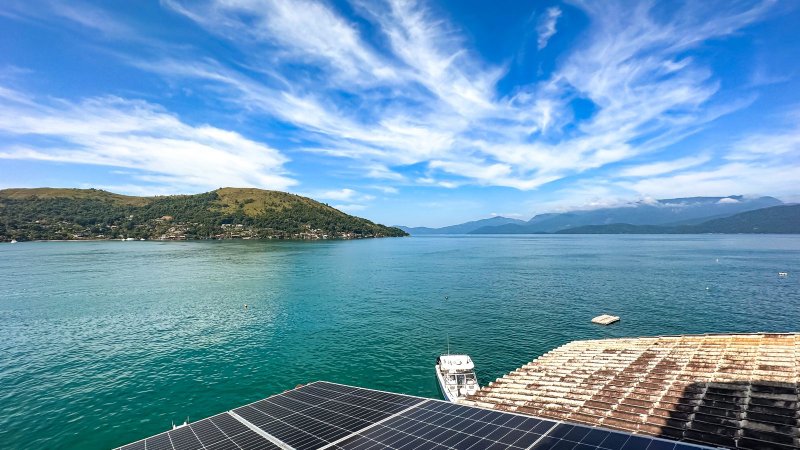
{"type": "Point", "coordinates": [579, 437]}
{"type": "Point", "coordinates": [220, 432]}
{"type": "Point", "coordinates": [325, 415]}
{"type": "Point", "coordinates": [434, 424]}
{"type": "Point", "coordinates": [321, 413]}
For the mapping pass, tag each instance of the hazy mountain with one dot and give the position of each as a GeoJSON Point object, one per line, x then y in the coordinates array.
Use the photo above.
{"type": "Point", "coordinates": [692, 210]}
{"type": "Point", "coordinates": [784, 219]}
{"type": "Point", "coordinates": [463, 228]}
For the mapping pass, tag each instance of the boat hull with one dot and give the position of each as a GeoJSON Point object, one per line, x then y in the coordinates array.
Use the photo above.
{"type": "Point", "coordinates": [445, 392]}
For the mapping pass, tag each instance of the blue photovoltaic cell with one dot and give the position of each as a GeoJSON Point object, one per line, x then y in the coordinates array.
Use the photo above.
{"type": "Point", "coordinates": [330, 415]}
{"type": "Point", "coordinates": [218, 433]}
{"type": "Point", "coordinates": [579, 437]}
{"type": "Point", "coordinates": [321, 413]}
{"type": "Point", "coordinates": [434, 424]}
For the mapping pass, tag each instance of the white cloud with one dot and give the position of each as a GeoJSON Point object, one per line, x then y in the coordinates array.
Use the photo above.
{"type": "Point", "coordinates": [763, 163]}
{"type": "Point", "coordinates": [78, 15]}
{"type": "Point", "coordinates": [546, 28]}
{"type": "Point", "coordinates": [350, 207]}
{"type": "Point", "coordinates": [511, 215]}
{"type": "Point", "coordinates": [760, 145]}
{"type": "Point", "coordinates": [298, 31]}
{"type": "Point", "coordinates": [132, 134]}
{"type": "Point", "coordinates": [425, 99]}
{"type": "Point", "coordinates": [660, 168]}
{"type": "Point", "coordinates": [582, 195]}
{"type": "Point", "coordinates": [386, 189]}
{"type": "Point", "coordinates": [398, 87]}
{"type": "Point", "coordinates": [724, 180]}
{"type": "Point", "coordinates": [345, 194]}
{"type": "Point", "coordinates": [342, 194]}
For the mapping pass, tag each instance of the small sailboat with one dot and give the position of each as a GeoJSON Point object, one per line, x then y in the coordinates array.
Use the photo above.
{"type": "Point", "coordinates": [456, 376]}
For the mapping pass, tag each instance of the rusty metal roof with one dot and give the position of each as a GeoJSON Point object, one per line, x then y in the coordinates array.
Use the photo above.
{"type": "Point", "coordinates": [735, 391]}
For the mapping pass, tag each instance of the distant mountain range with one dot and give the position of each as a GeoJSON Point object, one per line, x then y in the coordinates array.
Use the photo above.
{"type": "Point", "coordinates": [676, 214]}
{"type": "Point", "coordinates": [784, 219]}
{"type": "Point", "coordinates": [464, 228]}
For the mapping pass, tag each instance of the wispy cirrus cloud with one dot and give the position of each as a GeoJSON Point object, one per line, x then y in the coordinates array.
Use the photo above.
{"type": "Point", "coordinates": [722, 180]}
{"type": "Point", "coordinates": [423, 99]}
{"type": "Point", "coordinates": [80, 14]}
{"type": "Point", "coordinates": [760, 163]}
{"type": "Point", "coordinates": [343, 195]}
{"type": "Point", "coordinates": [394, 91]}
{"type": "Point", "coordinates": [664, 167]}
{"type": "Point", "coordinates": [162, 150]}
{"type": "Point", "coordinates": [345, 199]}
{"type": "Point", "coordinates": [546, 27]}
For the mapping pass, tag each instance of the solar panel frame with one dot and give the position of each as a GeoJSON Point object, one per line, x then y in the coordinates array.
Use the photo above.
{"type": "Point", "coordinates": [219, 432]}
{"type": "Point", "coordinates": [566, 435]}
{"type": "Point", "coordinates": [320, 413]}
{"type": "Point", "coordinates": [434, 423]}
{"type": "Point", "coordinates": [323, 415]}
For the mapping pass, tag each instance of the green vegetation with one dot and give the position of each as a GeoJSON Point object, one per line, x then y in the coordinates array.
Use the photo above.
{"type": "Point", "coordinates": [228, 213]}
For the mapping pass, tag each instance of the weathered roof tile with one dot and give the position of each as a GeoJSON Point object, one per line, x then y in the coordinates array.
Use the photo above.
{"type": "Point", "coordinates": [738, 390]}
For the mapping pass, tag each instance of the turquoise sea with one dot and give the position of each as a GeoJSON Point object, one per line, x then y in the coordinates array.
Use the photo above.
{"type": "Point", "coordinates": [104, 343]}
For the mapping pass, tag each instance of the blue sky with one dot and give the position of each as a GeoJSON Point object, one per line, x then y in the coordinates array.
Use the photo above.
{"type": "Point", "coordinates": [413, 113]}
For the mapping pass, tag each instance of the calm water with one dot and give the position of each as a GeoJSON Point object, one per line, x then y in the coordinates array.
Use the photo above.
{"type": "Point", "coordinates": [103, 343]}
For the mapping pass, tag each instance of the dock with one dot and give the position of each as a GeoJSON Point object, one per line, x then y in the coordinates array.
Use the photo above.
{"type": "Point", "coordinates": [605, 319]}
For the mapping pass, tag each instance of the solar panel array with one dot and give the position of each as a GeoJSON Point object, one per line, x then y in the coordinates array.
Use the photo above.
{"type": "Point", "coordinates": [221, 432]}
{"type": "Point", "coordinates": [325, 415]}
{"type": "Point", "coordinates": [445, 425]}
{"type": "Point", "coordinates": [321, 413]}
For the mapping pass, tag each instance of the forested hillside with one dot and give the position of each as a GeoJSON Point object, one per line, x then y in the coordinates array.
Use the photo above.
{"type": "Point", "coordinates": [228, 213]}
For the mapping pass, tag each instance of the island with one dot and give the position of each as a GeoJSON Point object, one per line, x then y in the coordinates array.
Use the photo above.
{"type": "Point", "coordinates": [226, 213]}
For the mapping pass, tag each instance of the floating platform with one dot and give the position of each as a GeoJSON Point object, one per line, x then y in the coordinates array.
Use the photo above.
{"type": "Point", "coordinates": [605, 319]}
{"type": "Point", "coordinates": [737, 391]}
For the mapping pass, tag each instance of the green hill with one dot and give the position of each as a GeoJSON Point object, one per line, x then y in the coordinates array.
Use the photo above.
{"type": "Point", "coordinates": [776, 220]}
{"type": "Point", "coordinates": [227, 213]}
{"type": "Point", "coordinates": [784, 219]}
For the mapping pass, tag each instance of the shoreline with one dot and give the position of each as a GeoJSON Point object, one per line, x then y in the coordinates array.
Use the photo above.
{"type": "Point", "coordinates": [410, 236]}
{"type": "Point", "coordinates": [202, 240]}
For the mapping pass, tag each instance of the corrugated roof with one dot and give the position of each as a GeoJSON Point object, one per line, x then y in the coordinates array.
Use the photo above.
{"type": "Point", "coordinates": [736, 391]}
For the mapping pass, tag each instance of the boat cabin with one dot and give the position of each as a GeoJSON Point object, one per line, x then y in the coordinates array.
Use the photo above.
{"type": "Point", "coordinates": [456, 375]}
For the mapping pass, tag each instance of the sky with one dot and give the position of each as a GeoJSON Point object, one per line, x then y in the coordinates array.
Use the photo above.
{"type": "Point", "coordinates": [404, 112]}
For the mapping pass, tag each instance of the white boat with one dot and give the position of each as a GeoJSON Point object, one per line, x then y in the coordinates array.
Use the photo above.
{"type": "Point", "coordinates": [13, 241]}
{"type": "Point", "coordinates": [456, 376]}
